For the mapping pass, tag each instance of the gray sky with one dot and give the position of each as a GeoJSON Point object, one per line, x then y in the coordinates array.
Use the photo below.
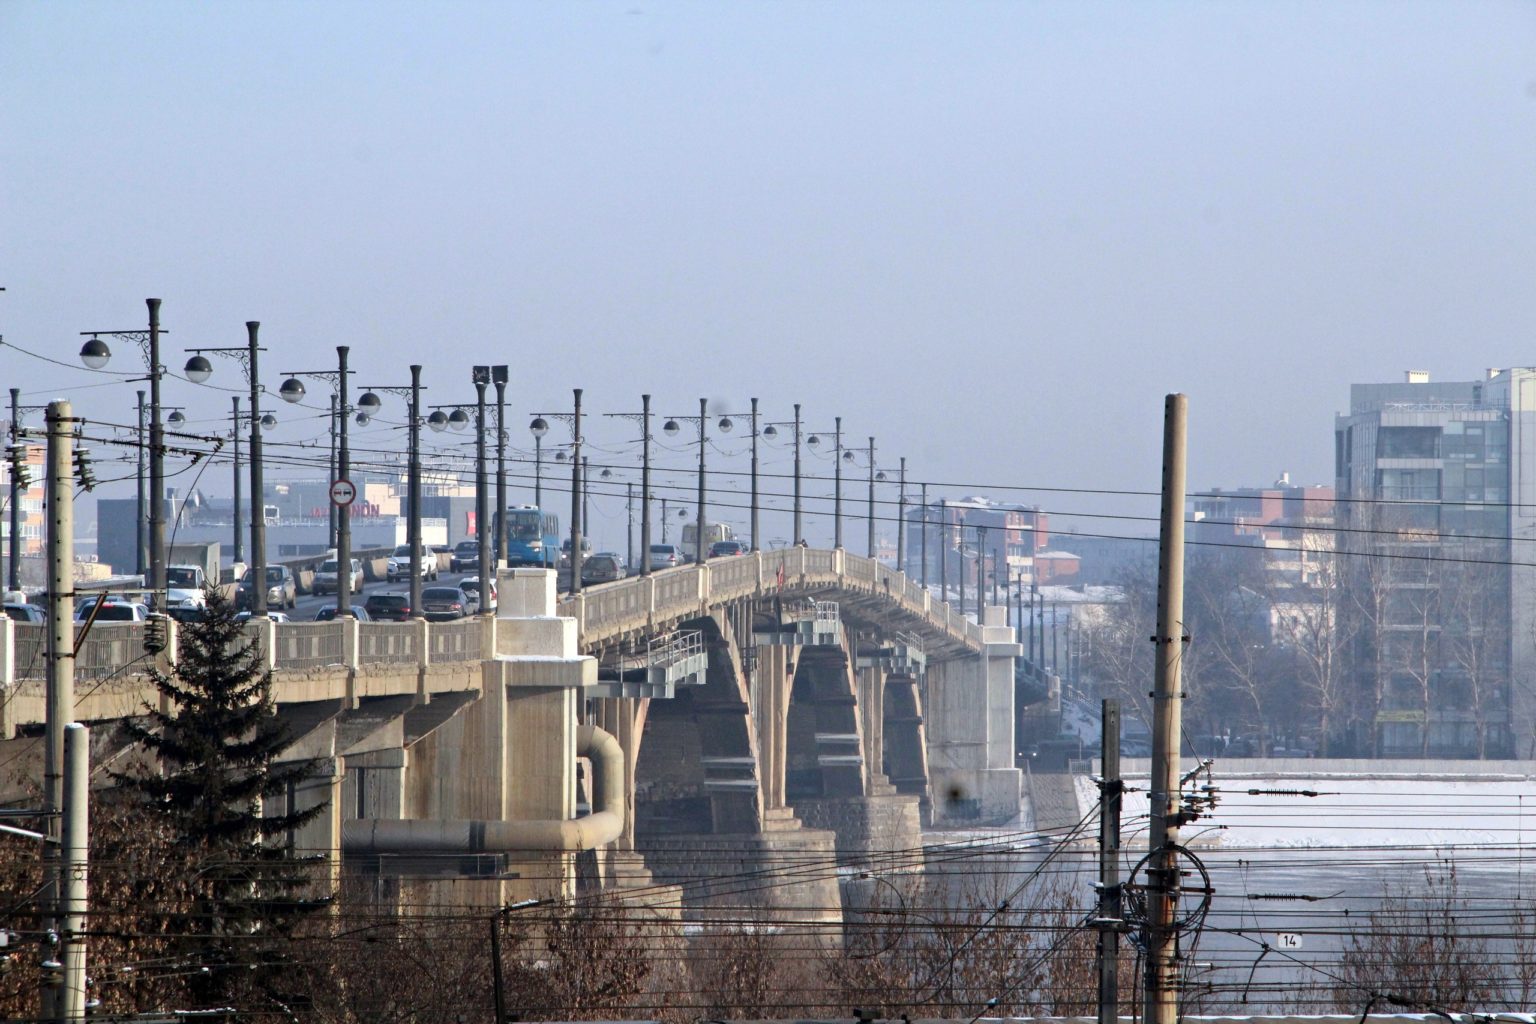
{"type": "Point", "coordinates": [991, 234]}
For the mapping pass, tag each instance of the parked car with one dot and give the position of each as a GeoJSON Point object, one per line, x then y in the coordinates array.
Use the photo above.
{"type": "Point", "coordinates": [466, 556]}
{"type": "Point", "coordinates": [470, 585]}
{"type": "Point", "coordinates": [442, 604]}
{"type": "Point", "coordinates": [728, 549]}
{"type": "Point", "coordinates": [603, 567]}
{"type": "Point", "coordinates": [399, 566]}
{"type": "Point", "coordinates": [665, 556]}
{"type": "Point", "coordinates": [25, 613]}
{"type": "Point", "coordinates": [326, 580]}
{"type": "Point", "coordinates": [359, 612]}
{"type": "Point", "coordinates": [392, 607]}
{"type": "Point", "coordinates": [282, 589]}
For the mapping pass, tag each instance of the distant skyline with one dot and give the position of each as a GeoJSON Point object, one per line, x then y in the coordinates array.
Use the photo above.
{"type": "Point", "coordinates": [992, 235]}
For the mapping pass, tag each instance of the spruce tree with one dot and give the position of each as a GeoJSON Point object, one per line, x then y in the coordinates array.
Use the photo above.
{"type": "Point", "coordinates": [219, 750]}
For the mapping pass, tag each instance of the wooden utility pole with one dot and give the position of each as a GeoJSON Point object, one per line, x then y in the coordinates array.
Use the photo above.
{"type": "Point", "coordinates": [1162, 973]}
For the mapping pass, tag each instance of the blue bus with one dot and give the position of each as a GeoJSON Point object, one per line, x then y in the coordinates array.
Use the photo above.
{"type": "Point", "coordinates": [533, 537]}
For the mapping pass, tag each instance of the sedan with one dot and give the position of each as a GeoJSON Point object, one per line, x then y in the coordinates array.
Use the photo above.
{"type": "Point", "coordinates": [442, 604]}
{"type": "Point", "coordinates": [727, 549]}
{"type": "Point", "coordinates": [603, 567]}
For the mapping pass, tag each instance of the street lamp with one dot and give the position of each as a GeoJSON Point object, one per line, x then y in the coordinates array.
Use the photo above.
{"type": "Point", "coordinates": [869, 452]}
{"type": "Point", "coordinates": [198, 370]}
{"type": "Point", "coordinates": [481, 377]}
{"type": "Point", "coordinates": [291, 391]}
{"type": "Point", "coordinates": [837, 473]}
{"type": "Point", "coordinates": [770, 431]}
{"type": "Point", "coordinates": [371, 402]}
{"type": "Point", "coordinates": [503, 541]}
{"type": "Point", "coordinates": [671, 428]}
{"type": "Point", "coordinates": [644, 419]}
{"type": "Point", "coordinates": [539, 427]}
{"type": "Point", "coordinates": [95, 354]}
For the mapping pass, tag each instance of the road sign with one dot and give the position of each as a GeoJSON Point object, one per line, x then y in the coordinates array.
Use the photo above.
{"type": "Point", "coordinates": [342, 492]}
{"type": "Point", "coordinates": [1287, 940]}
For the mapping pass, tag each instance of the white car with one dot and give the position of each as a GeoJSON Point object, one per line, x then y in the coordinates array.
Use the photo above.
{"type": "Point", "coordinates": [399, 565]}
{"type": "Point", "coordinates": [185, 588]}
{"type": "Point", "coordinates": [470, 585]}
{"type": "Point", "coordinates": [326, 581]}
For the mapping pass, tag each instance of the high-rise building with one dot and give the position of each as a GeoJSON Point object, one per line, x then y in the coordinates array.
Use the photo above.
{"type": "Point", "coordinates": [1437, 514]}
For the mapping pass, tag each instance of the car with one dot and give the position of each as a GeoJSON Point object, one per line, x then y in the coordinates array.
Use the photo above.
{"type": "Point", "coordinates": [359, 612]}
{"type": "Point", "coordinates": [113, 609]}
{"type": "Point", "coordinates": [470, 585]}
{"type": "Point", "coordinates": [325, 580]}
{"type": "Point", "coordinates": [665, 556]}
{"type": "Point", "coordinates": [392, 607]}
{"type": "Point", "coordinates": [22, 612]}
{"type": "Point", "coordinates": [274, 616]}
{"type": "Point", "coordinates": [728, 549]}
{"type": "Point", "coordinates": [603, 567]}
{"type": "Point", "coordinates": [186, 588]}
{"type": "Point", "coordinates": [399, 565]}
{"type": "Point", "coordinates": [466, 556]}
{"type": "Point", "coordinates": [443, 604]}
{"type": "Point", "coordinates": [282, 589]}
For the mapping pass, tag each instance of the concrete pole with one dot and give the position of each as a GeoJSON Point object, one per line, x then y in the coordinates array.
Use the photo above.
{"type": "Point", "coordinates": [238, 553]}
{"type": "Point", "coordinates": [837, 485]}
{"type": "Point", "coordinates": [344, 512]}
{"type": "Point", "coordinates": [576, 496]}
{"type": "Point", "coordinates": [756, 539]}
{"type": "Point", "coordinates": [901, 518]}
{"type": "Point", "coordinates": [156, 465]}
{"type": "Point", "coordinates": [922, 548]}
{"type": "Point", "coordinates": [76, 867]}
{"type": "Point", "coordinates": [538, 472]}
{"type": "Point", "coordinates": [586, 496]}
{"type": "Point", "coordinates": [799, 534]}
{"type": "Point", "coordinates": [141, 529]}
{"type": "Point", "coordinates": [1162, 972]}
{"type": "Point", "coordinates": [60, 696]}
{"type": "Point", "coordinates": [645, 486]}
{"type": "Point", "coordinates": [701, 552]}
{"type": "Point", "coordinates": [943, 550]}
{"type": "Point", "coordinates": [335, 472]}
{"type": "Point", "coordinates": [503, 540]}
{"type": "Point", "coordinates": [258, 492]}
{"type": "Point", "coordinates": [1110, 790]}
{"type": "Point", "coordinates": [629, 527]}
{"type": "Point", "coordinates": [413, 486]}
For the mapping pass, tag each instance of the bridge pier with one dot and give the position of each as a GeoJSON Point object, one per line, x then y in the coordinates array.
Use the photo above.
{"type": "Point", "coordinates": [970, 731]}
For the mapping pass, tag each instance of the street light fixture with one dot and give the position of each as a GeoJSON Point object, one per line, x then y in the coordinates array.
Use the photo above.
{"type": "Point", "coordinates": [95, 354]}
{"type": "Point", "coordinates": [291, 391]}
{"type": "Point", "coordinates": [539, 427]}
{"type": "Point", "coordinates": [671, 428]}
{"type": "Point", "coordinates": [644, 419]}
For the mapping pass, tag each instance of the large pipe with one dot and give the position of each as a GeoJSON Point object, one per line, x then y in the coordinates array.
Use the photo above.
{"type": "Point", "coordinates": [603, 826]}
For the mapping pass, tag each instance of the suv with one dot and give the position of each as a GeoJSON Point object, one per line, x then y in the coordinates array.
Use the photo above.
{"type": "Point", "coordinates": [282, 591]}
{"type": "Point", "coordinates": [326, 581]}
{"type": "Point", "coordinates": [603, 567]}
{"type": "Point", "coordinates": [388, 607]}
{"type": "Point", "coordinates": [465, 557]}
{"type": "Point", "coordinates": [665, 556]}
{"type": "Point", "coordinates": [399, 567]}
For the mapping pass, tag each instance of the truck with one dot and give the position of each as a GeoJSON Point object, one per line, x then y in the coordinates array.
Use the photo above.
{"type": "Point", "coordinates": [712, 532]}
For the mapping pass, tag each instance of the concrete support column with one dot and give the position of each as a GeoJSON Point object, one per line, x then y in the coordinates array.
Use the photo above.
{"type": "Point", "coordinates": [871, 683]}
{"type": "Point", "coordinates": [624, 719]}
{"type": "Point", "coordinates": [423, 658]}
{"type": "Point", "coordinates": [774, 677]}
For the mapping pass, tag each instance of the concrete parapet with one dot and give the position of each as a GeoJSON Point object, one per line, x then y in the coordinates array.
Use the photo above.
{"type": "Point", "coordinates": [523, 593]}
{"type": "Point", "coordinates": [536, 635]}
{"type": "Point", "coordinates": [541, 672]}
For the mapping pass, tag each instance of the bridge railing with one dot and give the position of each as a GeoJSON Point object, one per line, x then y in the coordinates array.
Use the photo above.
{"type": "Point", "coordinates": [307, 646]}
{"type": "Point", "coordinates": [108, 648]}
{"type": "Point", "coordinates": [609, 606]}
{"type": "Point", "coordinates": [678, 586]}
{"type": "Point", "coordinates": [388, 641]}
{"type": "Point", "coordinates": [455, 641]}
{"type": "Point", "coordinates": [30, 650]}
{"type": "Point", "coordinates": [732, 577]}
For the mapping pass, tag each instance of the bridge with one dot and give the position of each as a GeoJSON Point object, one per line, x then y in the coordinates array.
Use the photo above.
{"type": "Point", "coordinates": [741, 716]}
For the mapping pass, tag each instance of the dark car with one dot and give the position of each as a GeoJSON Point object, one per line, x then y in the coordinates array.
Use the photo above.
{"type": "Point", "coordinates": [328, 613]}
{"type": "Point", "coordinates": [465, 557]}
{"type": "Point", "coordinates": [603, 567]}
{"type": "Point", "coordinates": [727, 549]}
{"type": "Point", "coordinates": [389, 607]}
{"type": "Point", "coordinates": [26, 613]}
{"type": "Point", "coordinates": [442, 604]}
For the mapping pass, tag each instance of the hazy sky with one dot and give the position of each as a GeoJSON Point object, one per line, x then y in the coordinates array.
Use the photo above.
{"type": "Point", "coordinates": [993, 235]}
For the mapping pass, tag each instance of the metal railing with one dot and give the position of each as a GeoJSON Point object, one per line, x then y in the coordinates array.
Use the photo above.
{"type": "Point", "coordinates": [455, 641]}
{"type": "Point", "coordinates": [307, 646]}
{"type": "Point", "coordinates": [109, 647]}
{"type": "Point", "coordinates": [387, 641]}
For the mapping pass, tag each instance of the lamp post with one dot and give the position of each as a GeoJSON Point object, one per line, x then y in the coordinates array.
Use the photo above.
{"type": "Point", "coordinates": [901, 517]}
{"type": "Point", "coordinates": [481, 377]}
{"type": "Point", "coordinates": [670, 428]}
{"type": "Point", "coordinates": [923, 539]}
{"type": "Point", "coordinates": [849, 455]}
{"type": "Point", "coordinates": [95, 353]}
{"type": "Point", "coordinates": [539, 427]}
{"type": "Point", "coordinates": [503, 541]}
{"type": "Point", "coordinates": [837, 475]}
{"type": "Point", "coordinates": [644, 419]}
{"type": "Point", "coordinates": [369, 403]}
{"type": "Point", "coordinates": [237, 555]}
{"type": "Point", "coordinates": [292, 390]}
{"type": "Point", "coordinates": [771, 431]}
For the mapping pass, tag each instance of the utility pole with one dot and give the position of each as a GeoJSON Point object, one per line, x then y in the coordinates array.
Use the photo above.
{"type": "Point", "coordinates": [922, 549]}
{"type": "Point", "coordinates": [503, 538]}
{"type": "Point", "coordinates": [238, 553]}
{"type": "Point", "coordinates": [799, 535]}
{"type": "Point", "coordinates": [576, 495]}
{"type": "Point", "coordinates": [1162, 972]}
{"type": "Point", "coordinates": [1110, 790]}
{"type": "Point", "coordinates": [943, 550]}
{"type": "Point", "coordinates": [76, 868]}
{"type": "Point", "coordinates": [901, 518]}
{"type": "Point", "coordinates": [141, 530]}
{"type": "Point", "coordinates": [629, 530]}
{"type": "Point", "coordinates": [59, 705]}
{"type": "Point", "coordinates": [757, 540]}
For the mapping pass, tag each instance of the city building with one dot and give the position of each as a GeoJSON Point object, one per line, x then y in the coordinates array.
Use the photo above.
{"type": "Point", "coordinates": [1008, 536]}
{"type": "Point", "coordinates": [1437, 514]}
{"type": "Point", "coordinates": [30, 520]}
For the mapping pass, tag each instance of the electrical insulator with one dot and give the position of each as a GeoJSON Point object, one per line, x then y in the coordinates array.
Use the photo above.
{"type": "Point", "coordinates": [19, 471]}
{"type": "Point", "coordinates": [156, 634]}
{"type": "Point", "coordinates": [83, 468]}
